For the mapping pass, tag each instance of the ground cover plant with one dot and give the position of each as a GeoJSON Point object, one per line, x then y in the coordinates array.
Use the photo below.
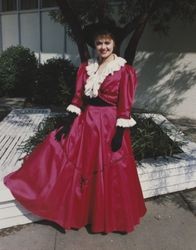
{"type": "Point", "coordinates": [148, 139]}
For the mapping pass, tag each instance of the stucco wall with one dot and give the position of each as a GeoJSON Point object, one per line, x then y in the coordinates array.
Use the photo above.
{"type": "Point", "coordinates": [166, 67]}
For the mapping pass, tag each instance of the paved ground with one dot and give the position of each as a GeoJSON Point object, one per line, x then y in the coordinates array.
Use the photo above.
{"type": "Point", "coordinates": [169, 224]}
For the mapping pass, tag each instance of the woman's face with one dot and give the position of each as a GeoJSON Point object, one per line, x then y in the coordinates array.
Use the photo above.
{"type": "Point", "coordinates": [104, 46]}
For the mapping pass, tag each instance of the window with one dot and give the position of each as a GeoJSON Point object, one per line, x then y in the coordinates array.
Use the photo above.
{"type": "Point", "coordinates": [28, 4]}
{"type": "Point", "coordinates": [48, 3]}
{"type": "Point", "coordinates": [9, 5]}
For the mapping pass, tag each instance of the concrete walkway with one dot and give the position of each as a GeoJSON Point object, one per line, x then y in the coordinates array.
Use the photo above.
{"type": "Point", "coordinates": [169, 224]}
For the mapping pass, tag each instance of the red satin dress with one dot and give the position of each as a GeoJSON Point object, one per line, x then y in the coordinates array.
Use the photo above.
{"type": "Point", "coordinates": [79, 180]}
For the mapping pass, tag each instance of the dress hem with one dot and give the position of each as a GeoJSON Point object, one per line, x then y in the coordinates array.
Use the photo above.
{"type": "Point", "coordinates": [42, 217]}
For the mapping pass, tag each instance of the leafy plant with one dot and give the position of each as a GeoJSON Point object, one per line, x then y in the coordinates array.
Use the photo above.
{"type": "Point", "coordinates": [18, 67]}
{"type": "Point", "coordinates": [44, 128]}
{"type": "Point", "coordinates": [56, 82]}
{"type": "Point", "coordinates": [148, 139]}
{"type": "Point", "coordinates": [4, 111]}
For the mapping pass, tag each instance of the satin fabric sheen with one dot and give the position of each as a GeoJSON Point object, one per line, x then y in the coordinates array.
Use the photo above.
{"type": "Point", "coordinates": [79, 180]}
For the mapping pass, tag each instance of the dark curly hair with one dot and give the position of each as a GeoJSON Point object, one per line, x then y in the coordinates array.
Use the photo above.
{"type": "Point", "coordinates": [104, 28]}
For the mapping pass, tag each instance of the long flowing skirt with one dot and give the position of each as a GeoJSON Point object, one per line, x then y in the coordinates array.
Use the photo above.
{"type": "Point", "coordinates": [79, 180]}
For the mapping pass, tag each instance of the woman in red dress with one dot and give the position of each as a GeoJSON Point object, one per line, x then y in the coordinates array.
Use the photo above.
{"type": "Point", "coordinates": [89, 175]}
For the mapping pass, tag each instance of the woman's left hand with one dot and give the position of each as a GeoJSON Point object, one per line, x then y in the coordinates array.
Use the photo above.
{"type": "Point", "coordinates": [117, 139]}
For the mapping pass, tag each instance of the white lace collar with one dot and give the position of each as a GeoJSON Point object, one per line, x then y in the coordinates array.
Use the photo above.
{"type": "Point", "coordinates": [95, 79]}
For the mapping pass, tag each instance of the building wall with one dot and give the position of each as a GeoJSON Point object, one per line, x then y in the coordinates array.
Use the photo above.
{"type": "Point", "coordinates": [166, 68]}
{"type": "Point", "coordinates": [9, 31]}
{"type": "Point", "coordinates": [29, 30]}
{"type": "Point", "coordinates": [36, 30]}
{"type": "Point", "coordinates": [166, 65]}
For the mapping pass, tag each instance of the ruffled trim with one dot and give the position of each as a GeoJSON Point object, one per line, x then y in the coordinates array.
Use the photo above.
{"type": "Point", "coordinates": [74, 109]}
{"type": "Point", "coordinates": [95, 80]}
{"type": "Point", "coordinates": [125, 123]}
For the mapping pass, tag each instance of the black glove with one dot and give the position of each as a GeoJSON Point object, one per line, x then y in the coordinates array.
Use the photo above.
{"type": "Point", "coordinates": [66, 127]}
{"type": "Point", "coordinates": [117, 139]}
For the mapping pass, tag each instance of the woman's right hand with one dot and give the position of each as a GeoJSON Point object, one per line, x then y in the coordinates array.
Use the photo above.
{"type": "Point", "coordinates": [66, 127]}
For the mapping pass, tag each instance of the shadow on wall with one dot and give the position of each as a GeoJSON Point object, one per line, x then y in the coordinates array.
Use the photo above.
{"type": "Point", "coordinates": [164, 79]}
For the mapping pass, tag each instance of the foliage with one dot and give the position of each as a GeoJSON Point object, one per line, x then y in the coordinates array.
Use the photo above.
{"type": "Point", "coordinates": [161, 13]}
{"type": "Point", "coordinates": [56, 82]}
{"type": "Point", "coordinates": [44, 128]}
{"type": "Point", "coordinates": [148, 139]}
{"type": "Point", "coordinates": [4, 111]}
{"type": "Point", "coordinates": [132, 15]}
{"type": "Point", "coordinates": [18, 67]}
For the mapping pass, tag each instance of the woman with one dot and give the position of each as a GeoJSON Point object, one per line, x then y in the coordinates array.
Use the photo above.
{"type": "Point", "coordinates": [88, 176]}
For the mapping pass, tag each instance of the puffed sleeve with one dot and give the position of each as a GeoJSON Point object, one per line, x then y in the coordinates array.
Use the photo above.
{"type": "Point", "coordinates": [127, 89]}
{"type": "Point", "coordinates": [77, 101]}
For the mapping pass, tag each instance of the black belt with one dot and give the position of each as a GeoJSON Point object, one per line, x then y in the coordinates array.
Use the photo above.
{"type": "Point", "coordinates": [97, 102]}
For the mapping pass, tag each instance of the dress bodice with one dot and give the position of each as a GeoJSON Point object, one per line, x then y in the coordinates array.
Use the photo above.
{"type": "Point", "coordinates": [115, 85]}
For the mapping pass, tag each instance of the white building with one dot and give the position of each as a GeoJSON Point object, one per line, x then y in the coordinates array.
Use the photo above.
{"type": "Point", "coordinates": [27, 22]}
{"type": "Point", "coordinates": [166, 65]}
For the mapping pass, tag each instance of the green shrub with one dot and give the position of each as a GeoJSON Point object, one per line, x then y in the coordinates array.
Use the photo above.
{"type": "Point", "coordinates": [44, 128]}
{"type": "Point", "coordinates": [4, 111]}
{"type": "Point", "coordinates": [56, 82]}
{"type": "Point", "coordinates": [18, 67]}
{"type": "Point", "coordinates": [148, 139]}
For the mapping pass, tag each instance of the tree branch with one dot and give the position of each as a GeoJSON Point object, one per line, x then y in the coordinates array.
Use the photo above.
{"type": "Point", "coordinates": [101, 4]}
{"type": "Point", "coordinates": [141, 21]}
{"type": "Point", "coordinates": [75, 25]}
{"type": "Point", "coordinates": [133, 43]}
{"type": "Point", "coordinates": [129, 27]}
